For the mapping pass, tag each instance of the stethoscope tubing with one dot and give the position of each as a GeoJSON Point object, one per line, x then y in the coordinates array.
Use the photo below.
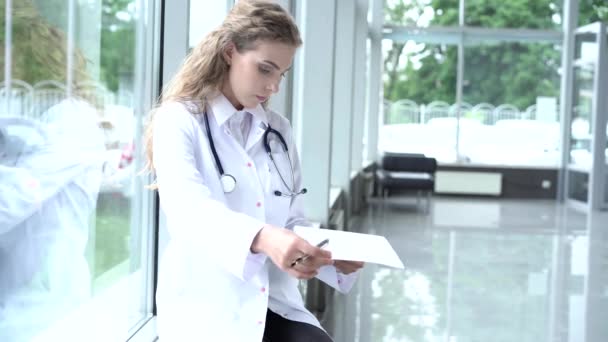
{"type": "Point", "coordinates": [229, 182]}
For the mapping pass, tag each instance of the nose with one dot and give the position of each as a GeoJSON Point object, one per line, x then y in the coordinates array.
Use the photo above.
{"type": "Point", "coordinates": [274, 86]}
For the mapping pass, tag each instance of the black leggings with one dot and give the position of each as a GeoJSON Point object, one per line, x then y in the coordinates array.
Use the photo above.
{"type": "Point", "coordinates": [279, 329]}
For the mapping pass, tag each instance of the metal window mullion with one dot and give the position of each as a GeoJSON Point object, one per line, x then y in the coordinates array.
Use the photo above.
{"type": "Point", "coordinates": [374, 95]}
{"type": "Point", "coordinates": [69, 72]}
{"type": "Point", "coordinates": [147, 74]}
{"type": "Point", "coordinates": [570, 15]}
{"type": "Point", "coordinates": [175, 26]}
{"type": "Point", "coordinates": [359, 73]}
{"type": "Point", "coordinates": [597, 176]}
{"type": "Point", "coordinates": [8, 33]}
{"type": "Point", "coordinates": [461, 12]}
{"type": "Point", "coordinates": [472, 34]}
{"type": "Point", "coordinates": [459, 75]}
{"type": "Point", "coordinates": [343, 95]}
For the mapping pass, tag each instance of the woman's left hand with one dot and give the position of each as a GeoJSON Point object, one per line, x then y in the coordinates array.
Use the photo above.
{"type": "Point", "coordinates": [347, 266]}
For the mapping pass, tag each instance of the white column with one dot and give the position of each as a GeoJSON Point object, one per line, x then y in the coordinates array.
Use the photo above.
{"type": "Point", "coordinates": [359, 73]}
{"type": "Point", "coordinates": [175, 37]}
{"type": "Point", "coordinates": [174, 50]}
{"type": "Point", "coordinates": [343, 95]}
{"type": "Point", "coordinates": [375, 89]}
{"type": "Point", "coordinates": [313, 102]}
{"type": "Point", "coordinates": [281, 102]}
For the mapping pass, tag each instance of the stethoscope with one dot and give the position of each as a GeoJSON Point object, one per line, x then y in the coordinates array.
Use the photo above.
{"type": "Point", "coordinates": [229, 182]}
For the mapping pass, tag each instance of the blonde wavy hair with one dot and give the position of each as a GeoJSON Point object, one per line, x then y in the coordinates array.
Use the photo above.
{"type": "Point", "coordinates": [204, 70]}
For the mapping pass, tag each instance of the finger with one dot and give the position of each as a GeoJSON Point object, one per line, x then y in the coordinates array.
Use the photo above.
{"type": "Point", "coordinates": [315, 252]}
{"type": "Point", "coordinates": [305, 267]}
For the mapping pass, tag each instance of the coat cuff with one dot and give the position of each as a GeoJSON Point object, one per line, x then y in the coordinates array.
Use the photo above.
{"type": "Point", "coordinates": [254, 262]}
{"type": "Point", "coordinates": [339, 281]}
{"type": "Point", "coordinates": [247, 264]}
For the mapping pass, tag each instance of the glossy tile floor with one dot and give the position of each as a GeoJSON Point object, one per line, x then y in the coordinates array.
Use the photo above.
{"type": "Point", "coordinates": [481, 270]}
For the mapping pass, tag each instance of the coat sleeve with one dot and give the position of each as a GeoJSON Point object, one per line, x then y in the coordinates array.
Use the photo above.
{"type": "Point", "coordinates": [24, 192]}
{"type": "Point", "coordinates": [207, 226]}
{"type": "Point", "coordinates": [26, 187]}
{"type": "Point", "coordinates": [327, 274]}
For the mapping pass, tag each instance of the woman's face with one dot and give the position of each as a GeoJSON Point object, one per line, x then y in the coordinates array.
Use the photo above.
{"type": "Point", "coordinates": [255, 74]}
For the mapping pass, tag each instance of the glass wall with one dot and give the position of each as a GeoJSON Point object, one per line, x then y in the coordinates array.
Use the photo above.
{"type": "Point", "coordinates": [416, 119]}
{"type": "Point", "coordinates": [509, 111]}
{"type": "Point", "coordinates": [421, 13]}
{"type": "Point", "coordinates": [477, 92]}
{"type": "Point", "coordinates": [524, 14]}
{"type": "Point", "coordinates": [74, 219]}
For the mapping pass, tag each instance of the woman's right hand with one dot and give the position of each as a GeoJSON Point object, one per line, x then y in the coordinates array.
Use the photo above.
{"type": "Point", "coordinates": [283, 246]}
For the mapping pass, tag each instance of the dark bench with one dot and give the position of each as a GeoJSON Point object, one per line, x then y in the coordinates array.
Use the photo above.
{"type": "Point", "coordinates": [399, 172]}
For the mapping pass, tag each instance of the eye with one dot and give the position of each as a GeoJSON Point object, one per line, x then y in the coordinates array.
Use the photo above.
{"type": "Point", "coordinates": [264, 70]}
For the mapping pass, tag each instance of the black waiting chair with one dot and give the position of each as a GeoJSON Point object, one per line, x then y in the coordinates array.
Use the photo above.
{"type": "Point", "coordinates": [401, 172]}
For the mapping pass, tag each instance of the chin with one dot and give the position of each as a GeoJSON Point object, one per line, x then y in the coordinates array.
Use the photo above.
{"type": "Point", "coordinates": [251, 103]}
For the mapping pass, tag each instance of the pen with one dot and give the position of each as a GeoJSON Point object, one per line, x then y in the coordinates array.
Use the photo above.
{"type": "Point", "coordinates": [306, 256]}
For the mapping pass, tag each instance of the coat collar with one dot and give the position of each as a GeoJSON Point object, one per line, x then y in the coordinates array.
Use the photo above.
{"type": "Point", "coordinates": [222, 109]}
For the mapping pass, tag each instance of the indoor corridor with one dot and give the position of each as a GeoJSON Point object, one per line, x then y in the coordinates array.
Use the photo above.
{"type": "Point", "coordinates": [481, 270]}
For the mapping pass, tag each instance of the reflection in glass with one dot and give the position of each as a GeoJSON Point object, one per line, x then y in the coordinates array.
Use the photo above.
{"type": "Point", "coordinates": [537, 277]}
{"type": "Point", "coordinates": [68, 245]}
{"type": "Point", "coordinates": [582, 89]}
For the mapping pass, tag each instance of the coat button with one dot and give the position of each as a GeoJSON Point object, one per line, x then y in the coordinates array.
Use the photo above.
{"type": "Point", "coordinates": [258, 204]}
{"type": "Point", "coordinates": [248, 164]}
{"type": "Point", "coordinates": [263, 289]}
{"type": "Point", "coordinates": [260, 322]}
{"type": "Point", "coordinates": [339, 281]}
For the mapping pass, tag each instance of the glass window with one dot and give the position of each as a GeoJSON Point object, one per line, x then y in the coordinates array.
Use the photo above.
{"type": "Point", "coordinates": [590, 11]}
{"type": "Point", "coordinates": [420, 90]}
{"type": "Point", "coordinates": [73, 220]}
{"type": "Point", "coordinates": [585, 54]}
{"type": "Point", "coordinates": [421, 13]}
{"type": "Point", "coordinates": [537, 14]}
{"type": "Point", "coordinates": [510, 94]}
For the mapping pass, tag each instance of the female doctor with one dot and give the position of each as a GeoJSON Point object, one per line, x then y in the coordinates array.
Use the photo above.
{"type": "Point", "coordinates": [229, 182]}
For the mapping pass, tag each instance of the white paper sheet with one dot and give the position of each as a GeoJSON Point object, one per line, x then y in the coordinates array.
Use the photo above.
{"type": "Point", "coordinates": [353, 246]}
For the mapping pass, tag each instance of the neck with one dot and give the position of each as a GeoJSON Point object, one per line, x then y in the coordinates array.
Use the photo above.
{"type": "Point", "coordinates": [227, 91]}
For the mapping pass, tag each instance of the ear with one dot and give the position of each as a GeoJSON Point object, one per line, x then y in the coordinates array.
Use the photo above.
{"type": "Point", "coordinates": [228, 52]}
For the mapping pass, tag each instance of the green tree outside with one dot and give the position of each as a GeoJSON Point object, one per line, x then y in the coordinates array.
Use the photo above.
{"type": "Point", "coordinates": [497, 73]}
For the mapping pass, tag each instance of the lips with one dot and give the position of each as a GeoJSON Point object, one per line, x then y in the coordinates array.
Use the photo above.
{"type": "Point", "coordinates": [261, 98]}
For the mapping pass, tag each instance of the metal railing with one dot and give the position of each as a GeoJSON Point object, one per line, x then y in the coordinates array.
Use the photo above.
{"type": "Point", "coordinates": [408, 111]}
{"type": "Point", "coordinates": [23, 99]}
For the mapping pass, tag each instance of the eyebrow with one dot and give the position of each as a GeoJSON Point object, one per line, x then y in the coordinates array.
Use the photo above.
{"type": "Point", "coordinates": [275, 65]}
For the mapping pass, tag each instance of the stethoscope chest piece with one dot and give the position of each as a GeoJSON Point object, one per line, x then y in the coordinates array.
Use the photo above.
{"type": "Point", "coordinates": [228, 183]}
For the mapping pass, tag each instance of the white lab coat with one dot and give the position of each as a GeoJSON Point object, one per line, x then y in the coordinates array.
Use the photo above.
{"type": "Point", "coordinates": [211, 287]}
{"type": "Point", "coordinates": [50, 173]}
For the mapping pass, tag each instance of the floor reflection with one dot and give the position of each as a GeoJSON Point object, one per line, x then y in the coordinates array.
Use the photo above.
{"type": "Point", "coordinates": [482, 270]}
